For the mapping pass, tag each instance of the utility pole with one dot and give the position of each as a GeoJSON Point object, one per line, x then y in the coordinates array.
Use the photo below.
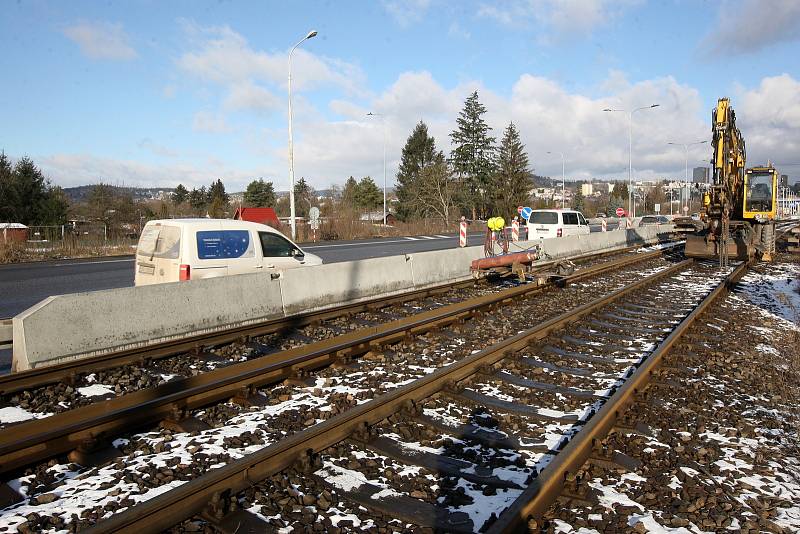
{"type": "Point", "coordinates": [631, 204]}
{"type": "Point", "coordinates": [310, 34]}
{"type": "Point", "coordinates": [383, 120]}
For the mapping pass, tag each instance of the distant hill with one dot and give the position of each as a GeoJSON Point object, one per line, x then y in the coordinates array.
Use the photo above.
{"type": "Point", "coordinates": [81, 193]}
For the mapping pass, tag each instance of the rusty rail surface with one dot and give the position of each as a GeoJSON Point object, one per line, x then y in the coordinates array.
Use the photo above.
{"type": "Point", "coordinates": [66, 371]}
{"type": "Point", "coordinates": [37, 440]}
{"type": "Point", "coordinates": [534, 501]}
{"type": "Point", "coordinates": [191, 498]}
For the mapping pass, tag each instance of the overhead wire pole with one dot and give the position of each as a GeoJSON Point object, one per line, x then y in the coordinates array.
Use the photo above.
{"type": "Point", "coordinates": [631, 202]}
{"type": "Point", "coordinates": [310, 34]}
{"type": "Point", "coordinates": [383, 120]}
{"type": "Point", "coordinates": [563, 198]}
{"type": "Point", "coordinates": [686, 171]}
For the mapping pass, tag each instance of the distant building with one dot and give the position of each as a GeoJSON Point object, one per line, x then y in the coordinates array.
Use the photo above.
{"type": "Point", "coordinates": [586, 190]}
{"type": "Point", "coordinates": [700, 175]}
{"type": "Point", "coordinates": [376, 217]}
{"type": "Point", "coordinates": [15, 232]}
{"type": "Point", "coordinates": [784, 180]}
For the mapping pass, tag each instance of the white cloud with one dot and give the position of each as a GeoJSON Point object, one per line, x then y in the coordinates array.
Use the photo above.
{"type": "Point", "coordinates": [101, 40]}
{"type": "Point", "coordinates": [769, 117]}
{"type": "Point", "coordinates": [406, 12]}
{"type": "Point", "coordinates": [248, 96]}
{"type": "Point", "coordinates": [223, 56]}
{"type": "Point", "coordinates": [156, 148]}
{"type": "Point", "coordinates": [458, 31]}
{"type": "Point", "coordinates": [747, 26]}
{"type": "Point", "coordinates": [559, 16]}
{"type": "Point", "coordinates": [69, 170]}
{"type": "Point", "coordinates": [208, 122]}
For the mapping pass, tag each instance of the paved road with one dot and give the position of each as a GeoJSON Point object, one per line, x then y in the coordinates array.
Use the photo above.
{"type": "Point", "coordinates": [23, 285]}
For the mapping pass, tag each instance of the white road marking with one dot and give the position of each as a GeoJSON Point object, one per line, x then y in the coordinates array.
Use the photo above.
{"type": "Point", "coordinates": [426, 237]}
{"type": "Point", "coordinates": [91, 262]}
{"type": "Point", "coordinates": [443, 236]}
{"type": "Point", "coordinates": [412, 238]}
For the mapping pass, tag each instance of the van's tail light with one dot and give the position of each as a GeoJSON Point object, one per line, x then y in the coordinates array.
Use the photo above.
{"type": "Point", "coordinates": [184, 273]}
{"type": "Point", "coordinates": [558, 232]}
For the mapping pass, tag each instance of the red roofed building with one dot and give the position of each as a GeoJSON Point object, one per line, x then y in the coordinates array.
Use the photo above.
{"type": "Point", "coordinates": [257, 215]}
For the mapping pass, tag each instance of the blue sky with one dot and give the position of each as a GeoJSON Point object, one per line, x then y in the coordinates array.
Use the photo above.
{"type": "Point", "coordinates": [156, 93]}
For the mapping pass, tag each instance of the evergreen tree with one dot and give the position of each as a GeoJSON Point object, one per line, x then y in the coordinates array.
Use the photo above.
{"type": "Point", "coordinates": [180, 195]}
{"type": "Point", "coordinates": [27, 197]}
{"type": "Point", "coordinates": [621, 192]}
{"type": "Point", "coordinates": [513, 179]}
{"type": "Point", "coordinates": [217, 191]}
{"type": "Point", "coordinates": [349, 193]}
{"type": "Point", "coordinates": [304, 196]}
{"type": "Point", "coordinates": [578, 201]}
{"type": "Point", "coordinates": [260, 194]}
{"type": "Point", "coordinates": [418, 152]}
{"type": "Point", "coordinates": [197, 199]}
{"type": "Point", "coordinates": [472, 157]}
{"type": "Point", "coordinates": [368, 197]}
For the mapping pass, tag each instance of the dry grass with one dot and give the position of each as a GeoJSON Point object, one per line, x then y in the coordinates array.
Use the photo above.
{"type": "Point", "coordinates": [68, 248]}
{"type": "Point", "coordinates": [348, 228]}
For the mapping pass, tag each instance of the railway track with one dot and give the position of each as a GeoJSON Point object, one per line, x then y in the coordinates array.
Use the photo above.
{"type": "Point", "coordinates": [567, 374]}
{"type": "Point", "coordinates": [85, 431]}
{"type": "Point", "coordinates": [502, 429]}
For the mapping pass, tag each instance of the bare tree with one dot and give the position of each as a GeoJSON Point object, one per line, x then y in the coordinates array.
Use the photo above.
{"type": "Point", "coordinates": [438, 190]}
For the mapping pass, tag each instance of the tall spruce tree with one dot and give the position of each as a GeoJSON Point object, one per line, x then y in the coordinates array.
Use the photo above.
{"type": "Point", "coordinates": [418, 152]}
{"type": "Point", "coordinates": [180, 194]}
{"type": "Point", "coordinates": [473, 156]}
{"type": "Point", "coordinates": [349, 193]}
{"type": "Point", "coordinates": [259, 194]}
{"type": "Point", "coordinates": [513, 180]}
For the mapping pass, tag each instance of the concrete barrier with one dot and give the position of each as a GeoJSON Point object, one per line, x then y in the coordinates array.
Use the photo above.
{"type": "Point", "coordinates": [330, 284]}
{"type": "Point", "coordinates": [84, 324]}
{"type": "Point", "coordinates": [87, 324]}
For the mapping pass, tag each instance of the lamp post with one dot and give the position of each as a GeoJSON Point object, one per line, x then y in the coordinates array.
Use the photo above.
{"type": "Point", "coordinates": [686, 170]}
{"type": "Point", "coordinates": [562, 177]}
{"type": "Point", "coordinates": [383, 120]}
{"type": "Point", "coordinates": [310, 34]}
{"type": "Point", "coordinates": [631, 204]}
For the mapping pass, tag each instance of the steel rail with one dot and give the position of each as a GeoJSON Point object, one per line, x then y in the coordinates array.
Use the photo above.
{"type": "Point", "coordinates": [33, 441]}
{"type": "Point", "coordinates": [545, 489]}
{"type": "Point", "coordinates": [186, 500]}
{"type": "Point", "coordinates": [66, 371]}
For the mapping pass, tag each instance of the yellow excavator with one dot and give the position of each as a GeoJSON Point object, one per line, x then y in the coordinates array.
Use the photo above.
{"type": "Point", "coordinates": [738, 219]}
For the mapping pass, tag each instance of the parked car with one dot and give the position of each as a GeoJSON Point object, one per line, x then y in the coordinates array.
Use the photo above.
{"type": "Point", "coordinates": [653, 220]}
{"type": "Point", "coordinates": [173, 250]}
{"type": "Point", "coordinates": [544, 224]}
{"type": "Point", "coordinates": [600, 216]}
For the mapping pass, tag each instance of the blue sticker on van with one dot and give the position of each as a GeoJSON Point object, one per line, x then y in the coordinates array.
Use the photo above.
{"type": "Point", "coordinates": [221, 244]}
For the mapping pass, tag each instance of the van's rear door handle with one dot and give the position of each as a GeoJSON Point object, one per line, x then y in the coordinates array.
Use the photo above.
{"type": "Point", "coordinates": [259, 266]}
{"type": "Point", "coordinates": [270, 266]}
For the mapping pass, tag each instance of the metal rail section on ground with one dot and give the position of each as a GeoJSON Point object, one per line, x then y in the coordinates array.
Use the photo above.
{"type": "Point", "coordinates": [33, 441]}
{"type": "Point", "coordinates": [300, 449]}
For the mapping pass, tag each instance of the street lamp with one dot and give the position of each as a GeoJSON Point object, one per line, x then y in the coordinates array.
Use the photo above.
{"type": "Point", "coordinates": [562, 177]}
{"type": "Point", "coordinates": [631, 204]}
{"type": "Point", "coordinates": [383, 120]}
{"type": "Point", "coordinates": [311, 34]}
{"type": "Point", "coordinates": [686, 172]}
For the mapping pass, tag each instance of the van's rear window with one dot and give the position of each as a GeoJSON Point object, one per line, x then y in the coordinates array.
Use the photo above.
{"type": "Point", "coordinates": [160, 241]}
{"type": "Point", "coordinates": [543, 217]}
{"type": "Point", "coordinates": [220, 244]}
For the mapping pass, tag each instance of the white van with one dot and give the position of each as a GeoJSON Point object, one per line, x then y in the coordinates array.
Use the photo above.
{"type": "Point", "coordinates": [544, 224]}
{"type": "Point", "coordinates": [173, 250]}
